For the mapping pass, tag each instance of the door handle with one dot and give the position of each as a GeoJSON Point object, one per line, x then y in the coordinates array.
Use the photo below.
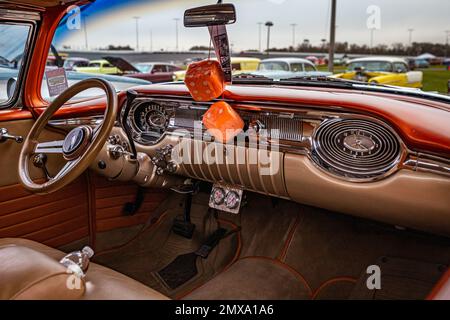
{"type": "Point", "coordinates": [4, 136]}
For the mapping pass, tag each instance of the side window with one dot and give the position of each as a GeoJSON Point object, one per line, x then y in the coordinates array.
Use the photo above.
{"type": "Point", "coordinates": [13, 43]}
{"type": "Point", "coordinates": [236, 66]}
{"type": "Point", "coordinates": [296, 67]}
{"type": "Point", "coordinates": [159, 68]}
{"type": "Point", "coordinates": [108, 65]}
{"type": "Point", "coordinates": [400, 67]}
{"type": "Point", "coordinates": [310, 68]}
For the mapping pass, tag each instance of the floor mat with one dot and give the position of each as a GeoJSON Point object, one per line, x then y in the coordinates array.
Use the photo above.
{"type": "Point", "coordinates": [401, 279]}
{"type": "Point", "coordinates": [156, 249]}
{"type": "Point", "coordinates": [179, 271]}
{"type": "Point", "coordinates": [255, 278]}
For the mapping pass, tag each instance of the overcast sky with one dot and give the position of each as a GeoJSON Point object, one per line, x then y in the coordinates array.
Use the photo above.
{"type": "Point", "coordinates": [111, 22]}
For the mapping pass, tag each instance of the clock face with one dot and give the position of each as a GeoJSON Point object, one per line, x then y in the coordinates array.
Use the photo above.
{"type": "Point", "coordinates": [357, 142]}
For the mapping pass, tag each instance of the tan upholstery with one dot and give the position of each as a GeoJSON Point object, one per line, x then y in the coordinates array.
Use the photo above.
{"type": "Point", "coordinates": [29, 274]}
{"type": "Point", "coordinates": [19, 256]}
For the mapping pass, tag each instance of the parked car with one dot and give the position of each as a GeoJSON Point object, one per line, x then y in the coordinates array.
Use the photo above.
{"type": "Point", "coordinates": [99, 67]}
{"type": "Point", "coordinates": [238, 65]}
{"type": "Point", "coordinates": [421, 63]}
{"type": "Point", "coordinates": [72, 63]}
{"type": "Point", "coordinates": [313, 59]}
{"type": "Point", "coordinates": [8, 78]}
{"type": "Point", "coordinates": [283, 68]}
{"type": "Point", "coordinates": [383, 70]}
{"type": "Point", "coordinates": [154, 72]}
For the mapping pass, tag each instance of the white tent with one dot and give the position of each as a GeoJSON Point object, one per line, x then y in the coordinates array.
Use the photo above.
{"type": "Point", "coordinates": [426, 56]}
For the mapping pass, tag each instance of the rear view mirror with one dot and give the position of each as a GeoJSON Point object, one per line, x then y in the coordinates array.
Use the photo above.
{"type": "Point", "coordinates": [212, 15]}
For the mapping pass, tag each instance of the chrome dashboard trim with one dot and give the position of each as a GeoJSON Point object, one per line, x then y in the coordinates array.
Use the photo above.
{"type": "Point", "coordinates": [82, 121]}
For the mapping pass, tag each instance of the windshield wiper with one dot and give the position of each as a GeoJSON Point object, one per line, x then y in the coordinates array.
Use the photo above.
{"type": "Point", "coordinates": [251, 77]}
{"type": "Point", "coordinates": [324, 79]}
{"type": "Point", "coordinates": [5, 62]}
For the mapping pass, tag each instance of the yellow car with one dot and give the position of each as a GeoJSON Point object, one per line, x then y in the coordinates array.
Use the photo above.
{"type": "Point", "coordinates": [238, 65]}
{"type": "Point", "coordinates": [99, 67]}
{"type": "Point", "coordinates": [382, 70]}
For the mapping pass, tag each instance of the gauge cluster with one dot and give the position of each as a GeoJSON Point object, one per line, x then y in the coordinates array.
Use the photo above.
{"type": "Point", "coordinates": [149, 121]}
{"type": "Point", "coordinates": [226, 198]}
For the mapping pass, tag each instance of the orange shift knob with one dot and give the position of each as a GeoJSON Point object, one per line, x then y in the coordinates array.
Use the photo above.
{"type": "Point", "coordinates": [205, 80]}
{"type": "Point", "coordinates": [223, 122]}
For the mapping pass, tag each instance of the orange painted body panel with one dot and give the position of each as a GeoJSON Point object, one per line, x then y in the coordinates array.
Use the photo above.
{"type": "Point", "coordinates": [442, 289]}
{"type": "Point", "coordinates": [11, 115]}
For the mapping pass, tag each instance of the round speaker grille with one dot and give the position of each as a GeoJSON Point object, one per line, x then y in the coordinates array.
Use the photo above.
{"type": "Point", "coordinates": [355, 148]}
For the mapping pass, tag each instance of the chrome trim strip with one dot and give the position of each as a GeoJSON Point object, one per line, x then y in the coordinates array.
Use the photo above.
{"type": "Point", "coordinates": [73, 122]}
{"type": "Point", "coordinates": [427, 163]}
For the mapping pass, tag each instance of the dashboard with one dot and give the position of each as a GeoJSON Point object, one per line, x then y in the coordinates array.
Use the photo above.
{"type": "Point", "coordinates": [350, 146]}
{"type": "Point", "coordinates": [338, 151]}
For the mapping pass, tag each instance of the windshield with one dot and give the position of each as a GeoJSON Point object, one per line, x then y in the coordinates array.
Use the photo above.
{"type": "Point", "coordinates": [13, 41]}
{"type": "Point", "coordinates": [144, 68]}
{"type": "Point", "coordinates": [273, 66]}
{"type": "Point", "coordinates": [371, 66]}
{"type": "Point", "coordinates": [272, 34]}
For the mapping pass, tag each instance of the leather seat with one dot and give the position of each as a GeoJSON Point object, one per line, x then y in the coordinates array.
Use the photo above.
{"type": "Point", "coordinates": [30, 270]}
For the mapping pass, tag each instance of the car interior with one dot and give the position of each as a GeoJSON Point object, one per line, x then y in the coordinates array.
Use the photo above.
{"type": "Point", "coordinates": [330, 182]}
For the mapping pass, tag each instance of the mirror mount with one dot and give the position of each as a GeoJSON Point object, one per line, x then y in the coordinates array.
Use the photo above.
{"type": "Point", "coordinates": [212, 15]}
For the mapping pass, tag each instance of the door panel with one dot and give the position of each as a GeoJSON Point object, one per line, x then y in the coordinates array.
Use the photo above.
{"type": "Point", "coordinates": [10, 151]}
{"type": "Point", "coordinates": [63, 217]}
{"type": "Point", "coordinates": [110, 198]}
{"type": "Point", "coordinates": [53, 219]}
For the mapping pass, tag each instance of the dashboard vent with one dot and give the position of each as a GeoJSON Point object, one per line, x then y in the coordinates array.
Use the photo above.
{"type": "Point", "coordinates": [355, 148]}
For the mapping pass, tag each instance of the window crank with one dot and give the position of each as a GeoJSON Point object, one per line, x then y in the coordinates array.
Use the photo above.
{"type": "Point", "coordinates": [4, 135]}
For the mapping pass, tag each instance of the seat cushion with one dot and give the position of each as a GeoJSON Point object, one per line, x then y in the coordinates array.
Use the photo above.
{"type": "Point", "coordinates": [28, 274]}
{"type": "Point", "coordinates": [100, 283]}
{"type": "Point", "coordinates": [255, 278]}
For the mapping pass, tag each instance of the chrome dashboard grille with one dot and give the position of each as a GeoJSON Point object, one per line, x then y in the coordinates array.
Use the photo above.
{"type": "Point", "coordinates": [288, 127]}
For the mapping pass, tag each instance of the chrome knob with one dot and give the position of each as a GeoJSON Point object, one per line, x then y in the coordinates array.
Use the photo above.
{"type": "Point", "coordinates": [4, 136]}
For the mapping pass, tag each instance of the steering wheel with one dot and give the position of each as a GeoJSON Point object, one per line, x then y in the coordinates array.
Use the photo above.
{"type": "Point", "coordinates": [79, 148]}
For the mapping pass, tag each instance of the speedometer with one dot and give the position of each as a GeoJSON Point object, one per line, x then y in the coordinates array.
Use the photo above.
{"type": "Point", "coordinates": [150, 120]}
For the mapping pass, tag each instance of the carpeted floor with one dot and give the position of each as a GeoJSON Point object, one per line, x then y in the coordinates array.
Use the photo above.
{"type": "Point", "coordinates": [283, 251]}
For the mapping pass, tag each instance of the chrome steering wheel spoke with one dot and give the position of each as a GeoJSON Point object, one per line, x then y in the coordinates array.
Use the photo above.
{"type": "Point", "coordinates": [50, 147]}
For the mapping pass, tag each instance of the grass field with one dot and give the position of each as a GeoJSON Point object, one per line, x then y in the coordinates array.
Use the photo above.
{"type": "Point", "coordinates": [434, 78]}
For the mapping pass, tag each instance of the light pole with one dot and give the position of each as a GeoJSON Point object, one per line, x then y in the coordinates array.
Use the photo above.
{"type": "Point", "coordinates": [85, 32]}
{"type": "Point", "coordinates": [151, 40]}
{"type": "Point", "coordinates": [260, 34]}
{"type": "Point", "coordinates": [293, 25]}
{"type": "Point", "coordinates": [269, 24]}
{"type": "Point", "coordinates": [410, 36]}
{"type": "Point", "coordinates": [176, 33]}
{"type": "Point", "coordinates": [137, 32]}
{"type": "Point", "coordinates": [447, 34]}
{"type": "Point", "coordinates": [332, 36]}
{"type": "Point", "coordinates": [372, 31]}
